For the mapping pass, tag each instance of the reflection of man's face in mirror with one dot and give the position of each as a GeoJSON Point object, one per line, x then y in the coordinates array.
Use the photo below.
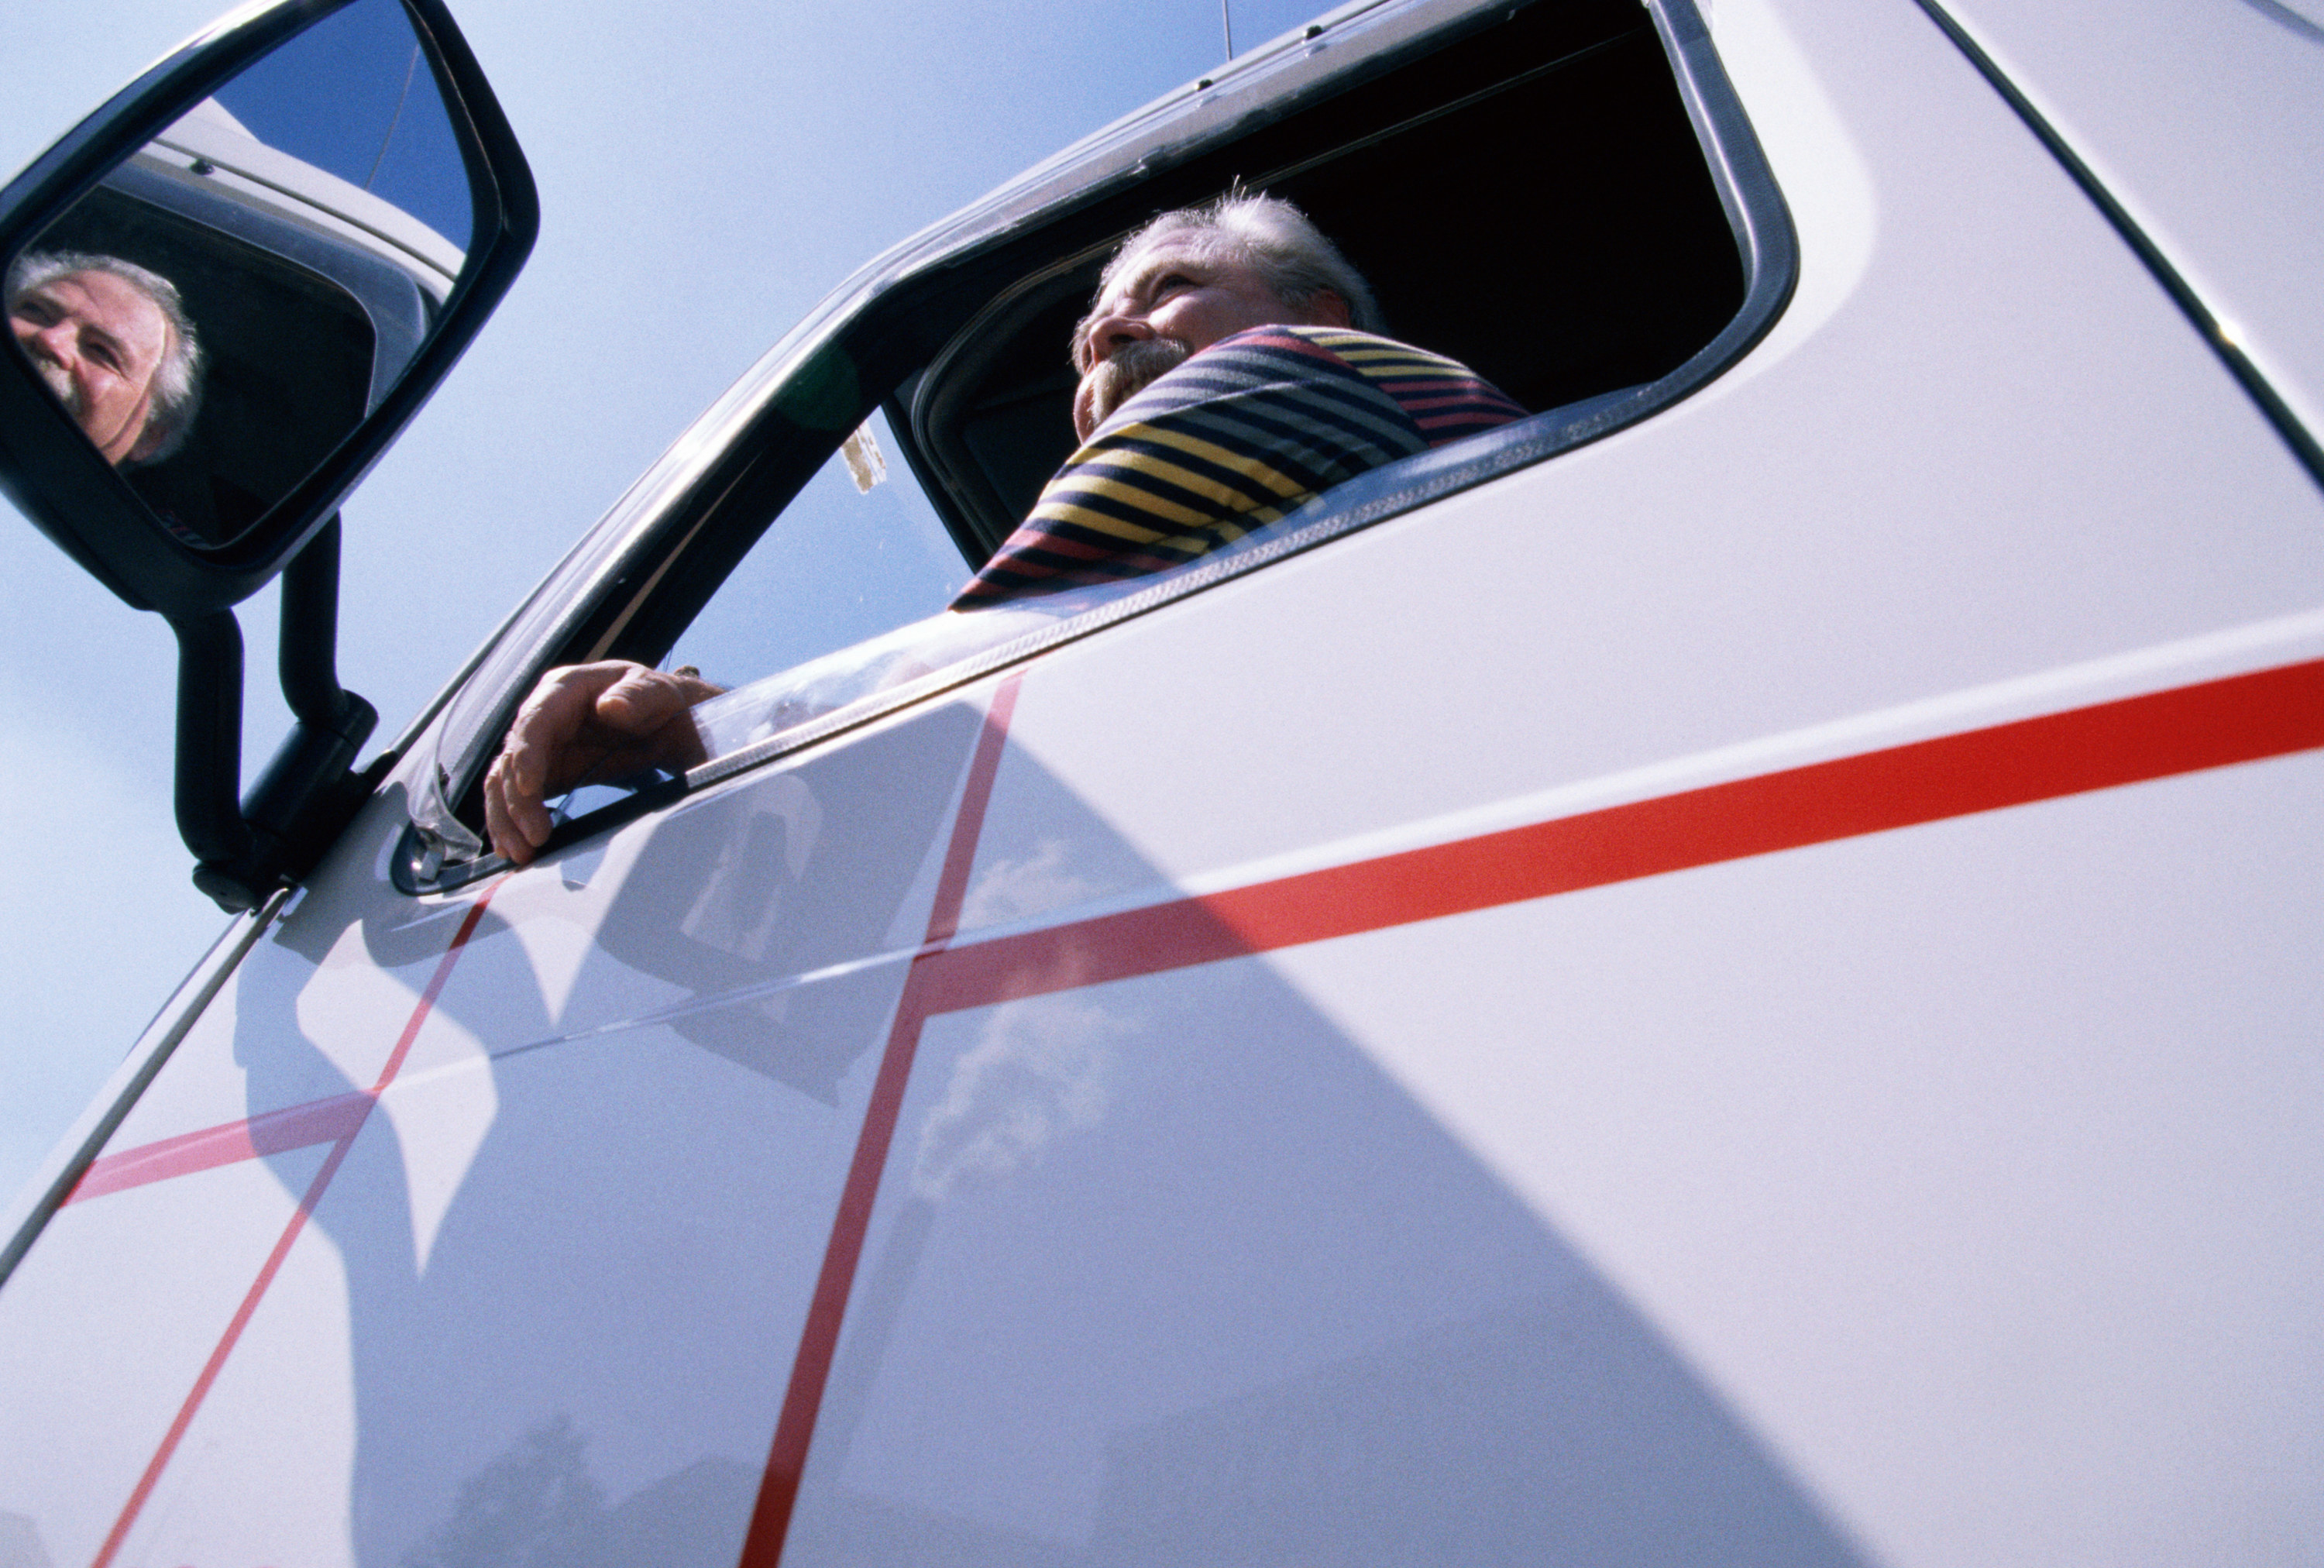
{"type": "Point", "coordinates": [110, 344]}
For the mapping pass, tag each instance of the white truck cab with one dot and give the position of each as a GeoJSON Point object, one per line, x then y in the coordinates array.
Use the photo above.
{"type": "Point", "coordinates": [1728, 973]}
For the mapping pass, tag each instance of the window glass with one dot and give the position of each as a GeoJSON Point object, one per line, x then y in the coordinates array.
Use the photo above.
{"type": "Point", "coordinates": [857, 552]}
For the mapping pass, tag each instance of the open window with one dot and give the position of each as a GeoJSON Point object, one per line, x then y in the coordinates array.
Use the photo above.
{"type": "Point", "coordinates": [1531, 200]}
{"type": "Point", "coordinates": [1561, 196]}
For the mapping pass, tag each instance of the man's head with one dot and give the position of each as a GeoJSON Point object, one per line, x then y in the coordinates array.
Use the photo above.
{"type": "Point", "coordinates": [113, 342]}
{"type": "Point", "coordinates": [1198, 275]}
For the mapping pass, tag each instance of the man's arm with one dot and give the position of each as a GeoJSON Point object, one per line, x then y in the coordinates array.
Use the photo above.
{"type": "Point", "coordinates": [584, 722]}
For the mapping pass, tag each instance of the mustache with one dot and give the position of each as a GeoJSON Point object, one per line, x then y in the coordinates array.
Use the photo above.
{"type": "Point", "coordinates": [1131, 370]}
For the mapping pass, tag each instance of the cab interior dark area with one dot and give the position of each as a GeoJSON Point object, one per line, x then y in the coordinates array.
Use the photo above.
{"type": "Point", "coordinates": [1531, 200]}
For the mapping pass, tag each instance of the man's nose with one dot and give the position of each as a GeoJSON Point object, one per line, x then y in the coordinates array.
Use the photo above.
{"type": "Point", "coordinates": [53, 342]}
{"type": "Point", "coordinates": [1115, 329]}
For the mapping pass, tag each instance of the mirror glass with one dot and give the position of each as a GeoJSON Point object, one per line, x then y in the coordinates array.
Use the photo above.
{"type": "Point", "coordinates": [222, 309]}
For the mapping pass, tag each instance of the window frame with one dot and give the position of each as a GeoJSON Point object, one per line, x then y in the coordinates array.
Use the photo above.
{"type": "Point", "coordinates": [632, 584]}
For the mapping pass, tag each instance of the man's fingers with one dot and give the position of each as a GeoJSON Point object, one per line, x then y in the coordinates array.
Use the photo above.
{"type": "Point", "coordinates": [549, 745]}
{"type": "Point", "coordinates": [610, 716]}
{"type": "Point", "coordinates": [518, 767]}
{"type": "Point", "coordinates": [545, 751]}
{"type": "Point", "coordinates": [643, 700]}
{"type": "Point", "coordinates": [636, 704]}
{"type": "Point", "coordinates": [516, 819]}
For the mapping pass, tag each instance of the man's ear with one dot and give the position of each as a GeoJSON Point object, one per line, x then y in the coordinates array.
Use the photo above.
{"type": "Point", "coordinates": [1325, 308]}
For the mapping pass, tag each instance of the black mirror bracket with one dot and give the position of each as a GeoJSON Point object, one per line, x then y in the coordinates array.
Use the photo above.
{"type": "Point", "coordinates": [249, 847]}
{"type": "Point", "coordinates": [209, 736]}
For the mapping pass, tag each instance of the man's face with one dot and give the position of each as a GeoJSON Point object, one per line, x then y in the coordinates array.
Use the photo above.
{"type": "Point", "coordinates": [97, 341]}
{"type": "Point", "coordinates": [1173, 298]}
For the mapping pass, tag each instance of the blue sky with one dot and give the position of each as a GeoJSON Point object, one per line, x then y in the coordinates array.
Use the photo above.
{"type": "Point", "coordinates": [352, 94]}
{"type": "Point", "coordinates": [706, 173]}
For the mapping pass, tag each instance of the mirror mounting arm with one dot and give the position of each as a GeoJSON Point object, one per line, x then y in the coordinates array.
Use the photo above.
{"type": "Point", "coordinates": [308, 792]}
{"type": "Point", "coordinates": [306, 656]}
{"type": "Point", "coordinates": [209, 736]}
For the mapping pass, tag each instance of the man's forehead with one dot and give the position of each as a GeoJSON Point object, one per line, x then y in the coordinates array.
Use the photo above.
{"type": "Point", "coordinates": [103, 290]}
{"type": "Point", "coordinates": [121, 308]}
{"type": "Point", "coordinates": [1182, 249]}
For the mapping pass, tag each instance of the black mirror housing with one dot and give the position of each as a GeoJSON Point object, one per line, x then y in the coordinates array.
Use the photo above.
{"type": "Point", "coordinates": [148, 554]}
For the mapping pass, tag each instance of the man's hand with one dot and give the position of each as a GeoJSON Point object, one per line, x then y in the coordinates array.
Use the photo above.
{"type": "Point", "coordinates": [585, 723]}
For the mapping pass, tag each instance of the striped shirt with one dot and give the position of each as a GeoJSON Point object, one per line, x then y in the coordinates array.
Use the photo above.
{"type": "Point", "coordinates": [1241, 433]}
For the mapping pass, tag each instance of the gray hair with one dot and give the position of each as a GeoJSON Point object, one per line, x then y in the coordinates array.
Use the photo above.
{"type": "Point", "coordinates": [177, 387]}
{"type": "Point", "coordinates": [1275, 238]}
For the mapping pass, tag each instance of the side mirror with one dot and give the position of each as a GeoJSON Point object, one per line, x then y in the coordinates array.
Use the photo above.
{"type": "Point", "coordinates": [227, 290]}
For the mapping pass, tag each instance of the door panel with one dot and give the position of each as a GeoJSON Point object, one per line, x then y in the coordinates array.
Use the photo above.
{"type": "Point", "coordinates": [1863, 1175]}
{"type": "Point", "coordinates": [544, 1300]}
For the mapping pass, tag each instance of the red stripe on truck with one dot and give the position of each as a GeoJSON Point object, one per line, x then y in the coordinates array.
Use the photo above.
{"type": "Point", "coordinates": [271, 1132]}
{"type": "Point", "coordinates": [2240, 719]}
{"type": "Point", "coordinates": [819, 1341]}
{"type": "Point", "coordinates": [353, 1123]}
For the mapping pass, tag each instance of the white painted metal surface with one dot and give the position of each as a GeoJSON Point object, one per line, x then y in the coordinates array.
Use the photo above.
{"type": "Point", "coordinates": [2202, 118]}
{"type": "Point", "coordinates": [1213, 1182]}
